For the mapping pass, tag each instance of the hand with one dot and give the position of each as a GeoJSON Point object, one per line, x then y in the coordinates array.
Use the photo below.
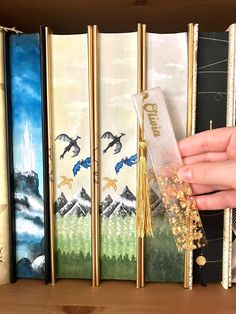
{"type": "Point", "coordinates": [210, 166]}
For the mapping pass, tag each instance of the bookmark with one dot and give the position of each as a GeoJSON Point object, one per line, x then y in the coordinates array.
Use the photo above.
{"type": "Point", "coordinates": [177, 197]}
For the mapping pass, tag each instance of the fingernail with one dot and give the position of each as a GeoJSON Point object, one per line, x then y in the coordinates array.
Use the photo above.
{"type": "Point", "coordinates": [185, 174]}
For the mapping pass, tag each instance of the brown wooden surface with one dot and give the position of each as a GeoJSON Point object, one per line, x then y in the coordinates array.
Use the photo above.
{"type": "Point", "coordinates": [65, 16]}
{"type": "Point", "coordinates": [72, 296]}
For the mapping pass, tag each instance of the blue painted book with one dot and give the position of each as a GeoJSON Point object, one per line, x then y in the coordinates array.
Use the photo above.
{"type": "Point", "coordinates": [26, 159]}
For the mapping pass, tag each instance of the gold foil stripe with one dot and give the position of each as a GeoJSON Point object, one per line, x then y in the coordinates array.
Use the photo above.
{"type": "Point", "coordinates": [50, 154]}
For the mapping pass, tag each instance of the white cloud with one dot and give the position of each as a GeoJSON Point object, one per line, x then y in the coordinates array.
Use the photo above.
{"type": "Point", "coordinates": [26, 88]}
{"type": "Point", "coordinates": [128, 61]}
{"type": "Point", "coordinates": [76, 106]}
{"type": "Point", "coordinates": [112, 80]}
{"type": "Point", "coordinates": [179, 66]}
{"type": "Point", "coordinates": [64, 81]}
{"type": "Point", "coordinates": [117, 98]}
{"type": "Point", "coordinates": [27, 226]}
{"type": "Point", "coordinates": [159, 76]}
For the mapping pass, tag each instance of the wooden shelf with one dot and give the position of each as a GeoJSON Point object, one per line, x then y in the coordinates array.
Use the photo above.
{"type": "Point", "coordinates": [113, 297]}
{"type": "Point", "coordinates": [72, 296]}
{"type": "Point", "coordinates": [117, 15]}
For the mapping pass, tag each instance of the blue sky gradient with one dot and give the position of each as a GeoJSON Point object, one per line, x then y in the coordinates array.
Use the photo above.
{"type": "Point", "coordinates": [26, 96]}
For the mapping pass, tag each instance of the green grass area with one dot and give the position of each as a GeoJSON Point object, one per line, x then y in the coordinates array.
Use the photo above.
{"type": "Point", "coordinates": [73, 241]}
{"type": "Point", "coordinates": [121, 268]}
{"type": "Point", "coordinates": [163, 262]}
{"type": "Point", "coordinates": [73, 265]}
{"type": "Point", "coordinates": [118, 237]}
{"type": "Point", "coordinates": [118, 247]}
{"type": "Point", "coordinates": [73, 234]}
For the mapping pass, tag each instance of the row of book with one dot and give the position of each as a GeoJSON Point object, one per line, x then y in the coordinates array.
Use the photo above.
{"type": "Point", "coordinates": [69, 147]}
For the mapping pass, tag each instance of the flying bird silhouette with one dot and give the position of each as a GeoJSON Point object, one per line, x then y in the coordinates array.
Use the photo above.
{"type": "Point", "coordinates": [116, 140]}
{"type": "Point", "coordinates": [128, 161]}
{"type": "Point", "coordinates": [111, 183]}
{"type": "Point", "coordinates": [66, 181]}
{"type": "Point", "coordinates": [72, 144]}
{"type": "Point", "coordinates": [85, 163]}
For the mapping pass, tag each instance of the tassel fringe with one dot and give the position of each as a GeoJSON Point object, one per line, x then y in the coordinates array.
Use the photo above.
{"type": "Point", "coordinates": [143, 215]}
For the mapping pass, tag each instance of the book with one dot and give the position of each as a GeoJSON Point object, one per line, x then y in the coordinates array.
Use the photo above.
{"type": "Point", "coordinates": [117, 81]}
{"type": "Point", "coordinates": [169, 71]}
{"type": "Point", "coordinates": [211, 108]}
{"type": "Point", "coordinates": [4, 214]}
{"type": "Point", "coordinates": [68, 80]}
{"type": "Point", "coordinates": [24, 101]}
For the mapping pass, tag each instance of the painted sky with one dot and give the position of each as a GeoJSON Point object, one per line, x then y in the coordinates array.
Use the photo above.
{"type": "Point", "coordinates": [118, 82]}
{"type": "Point", "coordinates": [169, 71]}
{"type": "Point", "coordinates": [26, 97]}
{"type": "Point", "coordinates": [70, 107]}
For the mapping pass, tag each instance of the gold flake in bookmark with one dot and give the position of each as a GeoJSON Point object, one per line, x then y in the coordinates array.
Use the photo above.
{"type": "Point", "coordinates": [164, 153]}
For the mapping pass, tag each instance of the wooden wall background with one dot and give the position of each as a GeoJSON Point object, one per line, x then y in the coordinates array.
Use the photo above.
{"type": "Point", "coordinates": [73, 16]}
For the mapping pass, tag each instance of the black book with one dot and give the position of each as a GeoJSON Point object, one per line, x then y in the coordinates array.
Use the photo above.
{"type": "Point", "coordinates": [211, 109]}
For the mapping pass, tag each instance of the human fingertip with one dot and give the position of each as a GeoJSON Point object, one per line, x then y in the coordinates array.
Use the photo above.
{"type": "Point", "coordinates": [185, 174]}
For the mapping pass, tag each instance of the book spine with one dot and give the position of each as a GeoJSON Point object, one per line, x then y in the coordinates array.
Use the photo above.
{"type": "Point", "coordinates": [211, 112]}
{"type": "Point", "coordinates": [188, 254]}
{"type": "Point", "coordinates": [191, 123]}
{"type": "Point", "coordinates": [26, 177]}
{"type": "Point", "coordinates": [230, 121]}
{"type": "Point", "coordinates": [169, 71]}
{"type": "Point", "coordinates": [46, 159]}
{"type": "Point", "coordinates": [4, 208]}
{"type": "Point", "coordinates": [10, 171]}
{"type": "Point", "coordinates": [117, 64]}
{"type": "Point", "coordinates": [94, 142]}
{"type": "Point", "coordinates": [141, 85]}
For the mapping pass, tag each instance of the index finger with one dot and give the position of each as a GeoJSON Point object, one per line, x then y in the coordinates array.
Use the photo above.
{"type": "Point", "coordinates": [216, 140]}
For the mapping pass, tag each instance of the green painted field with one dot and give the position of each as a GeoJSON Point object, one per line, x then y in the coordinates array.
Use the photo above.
{"type": "Point", "coordinates": [163, 263]}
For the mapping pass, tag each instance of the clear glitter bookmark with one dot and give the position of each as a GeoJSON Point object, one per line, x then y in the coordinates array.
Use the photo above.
{"type": "Point", "coordinates": [164, 153]}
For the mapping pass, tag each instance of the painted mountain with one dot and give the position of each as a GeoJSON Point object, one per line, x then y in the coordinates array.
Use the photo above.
{"type": "Point", "coordinates": [25, 86]}
{"type": "Point", "coordinates": [123, 206]}
{"type": "Point", "coordinates": [30, 226]}
{"type": "Point", "coordinates": [73, 220]}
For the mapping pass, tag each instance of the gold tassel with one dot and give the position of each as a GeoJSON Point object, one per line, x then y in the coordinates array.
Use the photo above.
{"type": "Point", "coordinates": [143, 214]}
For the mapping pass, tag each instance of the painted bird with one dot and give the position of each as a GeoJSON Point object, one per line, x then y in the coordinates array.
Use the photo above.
{"type": "Point", "coordinates": [66, 181]}
{"type": "Point", "coordinates": [116, 140]}
{"type": "Point", "coordinates": [111, 183]}
{"type": "Point", "coordinates": [72, 144]}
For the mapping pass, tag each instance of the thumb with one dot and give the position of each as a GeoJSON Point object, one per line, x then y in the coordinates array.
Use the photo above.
{"type": "Point", "coordinates": [210, 173]}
